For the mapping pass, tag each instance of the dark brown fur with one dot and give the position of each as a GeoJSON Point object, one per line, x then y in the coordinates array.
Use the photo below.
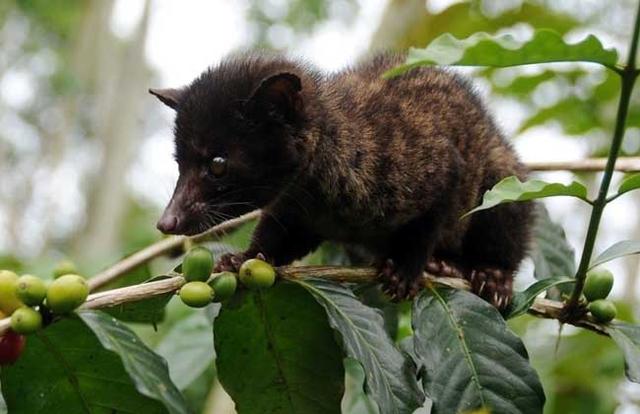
{"type": "Point", "coordinates": [391, 165]}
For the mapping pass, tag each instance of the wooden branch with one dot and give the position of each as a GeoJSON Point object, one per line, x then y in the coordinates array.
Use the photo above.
{"type": "Point", "coordinates": [542, 308]}
{"type": "Point", "coordinates": [132, 293]}
{"type": "Point", "coordinates": [623, 164]}
{"type": "Point", "coordinates": [628, 164]}
{"type": "Point", "coordinates": [163, 247]}
{"type": "Point", "coordinates": [551, 309]}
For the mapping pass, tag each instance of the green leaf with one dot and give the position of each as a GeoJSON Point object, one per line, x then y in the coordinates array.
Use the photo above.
{"type": "Point", "coordinates": [551, 253]}
{"type": "Point", "coordinates": [148, 370]}
{"type": "Point", "coordinates": [471, 359]}
{"type": "Point", "coordinates": [627, 337]}
{"type": "Point", "coordinates": [65, 369]}
{"type": "Point", "coordinates": [524, 85]}
{"type": "Point", "coordinates": [576, 116]}
{"type": "Point", "coordinates": [630, 183]}
{"type": "Point", "coordinates": [391, 376]}
{"type": "Point", "coordinates": [522, 300]}
{"type": "Point", "coordinates": [188, 349]}
{"type": "Point", "coordinates": [620, 249]}
{"type": "Point", "coordinates": [511, 189]}
{"type": "Point", "coordinates": [277, 353]}
{"type": "Point", "coordinates": [150, 310]}
{"type": "Point", "coordinates": [483, 49]}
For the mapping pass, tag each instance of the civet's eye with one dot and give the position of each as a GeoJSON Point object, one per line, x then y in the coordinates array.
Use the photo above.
{"type": "Point", "coordinates": [219, 166]}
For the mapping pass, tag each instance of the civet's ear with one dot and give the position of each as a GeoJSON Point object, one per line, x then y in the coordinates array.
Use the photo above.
{"type": "Point", "coordinates": [171, 97]}
{"type": "Point", "coordinates": [278, 96]}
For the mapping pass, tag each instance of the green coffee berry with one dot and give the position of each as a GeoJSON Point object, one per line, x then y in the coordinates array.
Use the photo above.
{"type": "Point", "coordinates": [26, 320]}
{"type": "Point", "coordinates": [67, 293]}
{"type": "Point", "coordinates": [31, 290]}
{"type": "Point", "coordinates": [196, 294]}
{"type": "Point", "coordinates": [603, 310]}
{"type": "Point", "coordinates": [64, 267]}
{"type": "Point", "coordinates": [224, 284]}
{"type": "Point", "coordinates": [257, 274]}
{"type": "Point", "coordinates": [598, 284]}
{"type": "Point", "coordinates": [9, 301]}
{"type": "Point", "coordinates": [197, 264]}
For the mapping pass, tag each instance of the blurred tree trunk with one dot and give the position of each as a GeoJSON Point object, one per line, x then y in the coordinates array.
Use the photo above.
{"type": "Point", "coordinates": [119, 132]}
{"type": "Point", "coordinates": [91, 43]}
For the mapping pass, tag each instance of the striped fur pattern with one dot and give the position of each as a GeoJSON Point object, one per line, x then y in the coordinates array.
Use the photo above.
{"type": "Point", "coordinates": [389, 165]}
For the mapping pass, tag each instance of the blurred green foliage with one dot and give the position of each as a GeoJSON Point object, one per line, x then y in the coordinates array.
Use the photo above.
{"type": "Point", "coordinates": [61, 20]}
{"type": "Point", "coordinates": [297, 17]}
{"type": "Point", "coordinates": [466, 18]}
{"type": "Point", "coordinates": [585, 373]}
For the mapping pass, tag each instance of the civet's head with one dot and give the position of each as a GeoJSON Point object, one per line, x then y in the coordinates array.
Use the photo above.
{"type": "Point", "coordinates": [237, 143]}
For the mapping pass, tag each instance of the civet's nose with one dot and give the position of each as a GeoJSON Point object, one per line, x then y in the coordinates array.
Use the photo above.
{"type": "Point", "coordinates": [168, 223]}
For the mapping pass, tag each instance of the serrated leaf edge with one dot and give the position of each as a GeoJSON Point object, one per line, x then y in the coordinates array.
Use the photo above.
{"type": "Point", "coordinates": [579, 186]}
{"type": "Point", "coordinates": [140, 386]}
{"type": "Point", "coordinates": [499, 40]}
{"type": "Point", "coordinates": [355, 328]}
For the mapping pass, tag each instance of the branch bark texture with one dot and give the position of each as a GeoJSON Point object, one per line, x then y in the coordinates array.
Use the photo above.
{"type": "Point", "coordinates": [542, 308]}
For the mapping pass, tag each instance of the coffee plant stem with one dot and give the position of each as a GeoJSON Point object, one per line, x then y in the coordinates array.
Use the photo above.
{"type": "Point", "coordinates": [623, 164]}
{"type": "Point", "coordinates": [628, 75]}
{"type": "Point", "coordinates": [164, 247]}
{"type": "Point", "coordinates": [542, 308]}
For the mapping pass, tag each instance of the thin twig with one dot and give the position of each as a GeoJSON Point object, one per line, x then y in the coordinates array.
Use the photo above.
{"type": "Point", "coordinates": [133, 293]}
{"type": "Point", "coordinates": [628, 77]}
{"type": "Point", "coordinates": [542, 308]}
{"type": "Point", "coordinates": [119, 296]}
{"type": "Point", "coordinates": [551, 309]}
{"type": "Point", "coordinates": [625, 164]}
{"type": "Point", "coordinates": [163, 247]}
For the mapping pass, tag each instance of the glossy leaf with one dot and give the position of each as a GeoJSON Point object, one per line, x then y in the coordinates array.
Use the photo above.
{"type": "Point", "coordinates": [620, 249]}
{"type": "Point", "coordinates": [483, 49]}
{"type": "Point", "coordinates": [148, 370]}
{"type": "Point", "coordinates": [188, 349]}
{"type": "Point", "coordinates": [277, 353]}
{"type": "Point", "coordinates": [66, 369]}
{"type": "Point", "coordinates": [627, 337]}
{"type": "Point", "coordinates": [522, 300]}
{"type": "Point", "coordinates": [470, 357]}
{"type": "Point", "coordinates": [511, 189]}
{"type": "Point", "coordinates": [630, 183]}
{"type": "Point", "coordinates": [391, 376]}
